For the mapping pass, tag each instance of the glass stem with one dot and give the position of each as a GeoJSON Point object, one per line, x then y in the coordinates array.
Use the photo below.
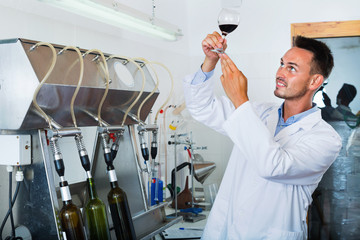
{"type": "Point", "coordinates": [224, 38]}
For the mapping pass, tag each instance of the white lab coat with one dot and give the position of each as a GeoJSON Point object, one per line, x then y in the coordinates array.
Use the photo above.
{"type": "Point", "coordinates": [267, 186]}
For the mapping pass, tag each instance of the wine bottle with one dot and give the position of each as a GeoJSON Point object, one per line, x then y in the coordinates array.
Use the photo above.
{"type": "Point", "coordinates": [70, 216]}
{"type": "Point", "coordinates": [120, 211]}
{"type": "Point", "coordinates": [98, 226]}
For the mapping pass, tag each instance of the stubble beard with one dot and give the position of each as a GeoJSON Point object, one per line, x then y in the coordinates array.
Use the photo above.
{"type": "Point", "coordinates": [291, 96]}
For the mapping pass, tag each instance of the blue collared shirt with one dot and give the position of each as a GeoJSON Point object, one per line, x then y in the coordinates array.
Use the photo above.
{"type": "Point", "coordinates": [293, 119]}
{"type": "Point", "coordinates": [201, 77]}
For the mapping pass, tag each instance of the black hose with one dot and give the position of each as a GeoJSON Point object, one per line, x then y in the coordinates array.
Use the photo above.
{"type": "Point", "coordinates": [10, 205]}
{"type": "Point", "coordinates": [9, 212]}
{"type": "Point", "coordinates": [172, 187]}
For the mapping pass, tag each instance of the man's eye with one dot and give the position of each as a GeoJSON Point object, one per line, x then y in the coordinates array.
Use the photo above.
{"type": "Point", "coordinates": [292, 69]}
{"type": "Point", "coordinates": [281, 64]}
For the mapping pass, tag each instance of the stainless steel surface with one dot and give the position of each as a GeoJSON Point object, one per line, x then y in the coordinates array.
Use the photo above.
{"type": "Point", "coordinates": [153, 222]}
{"type": "Point", "coordinates": [39, 200]}
{"type": "Point", "coordinates": [37, 204]}
{"type": "Point", "coordinates": [165, 225]}
{"type": "Point", "coordinates": [202, 170]}
{"type": "Point", "coordinates": [21, 71]}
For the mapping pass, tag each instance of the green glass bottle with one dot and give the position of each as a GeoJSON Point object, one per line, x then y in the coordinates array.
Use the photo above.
{"type": "Point", "coordinates": [70, 216]}
{"type": "Point", "coordinates": [120, 211]}
{"type": "Point", "coordinates": [98, 226]}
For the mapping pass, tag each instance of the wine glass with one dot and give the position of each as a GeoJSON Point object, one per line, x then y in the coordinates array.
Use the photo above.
{"type": "Point", "coordinates": [228, 20]}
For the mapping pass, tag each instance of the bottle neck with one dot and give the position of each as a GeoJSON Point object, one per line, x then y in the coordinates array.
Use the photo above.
{"type": "Point", "coordinates": [91, 188]}
{"type": "Point", "coordinates": [114, 185]}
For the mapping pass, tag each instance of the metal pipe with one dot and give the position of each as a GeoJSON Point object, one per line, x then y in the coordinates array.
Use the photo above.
{"type": "Point", "coordinates": [108, 129]}
{"type": "Point", "coordinates": [63, 132]}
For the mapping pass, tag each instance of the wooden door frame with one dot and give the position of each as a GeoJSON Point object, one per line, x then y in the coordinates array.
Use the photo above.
{"type": "Point", "coordinates": [326, 29]}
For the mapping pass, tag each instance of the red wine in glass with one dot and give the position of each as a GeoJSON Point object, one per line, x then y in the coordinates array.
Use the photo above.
{"type": "Point", "coordinates": [227, 28]}
{"type": "Point", "coordinates": [228, 21]}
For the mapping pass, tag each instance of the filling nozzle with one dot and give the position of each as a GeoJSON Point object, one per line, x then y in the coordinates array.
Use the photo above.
{"type": "Point", "coordinates": [60, 168]}
{"type": "Point", "coordinates": [143, 145]}
{"type": "Point", "coordinates": [58, 158]}
{"type": "Point", "coordinates": [144, 148]}
{"type": "Point", "coordinates": [154, 145]}
{"type": "Point", "coordinates": [107, 150]}
{"type": "Point", "coordinates": [84, 157]}
{"type": "Point", "coordinates": [115, 145]}
{"type": "Point", "coordinates": [154, 149]}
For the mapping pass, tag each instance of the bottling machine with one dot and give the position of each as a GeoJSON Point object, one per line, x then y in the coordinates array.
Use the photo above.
{"type": "Point", "coordinates": [39, 201]}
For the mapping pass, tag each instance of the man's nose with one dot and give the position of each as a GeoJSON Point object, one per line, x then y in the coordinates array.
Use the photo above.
{"type": "Point", "coordinates": [280, 72]}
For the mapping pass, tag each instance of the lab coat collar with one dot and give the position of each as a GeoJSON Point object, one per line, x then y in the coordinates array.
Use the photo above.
{"type": "Point", "coordinates": [305, 124]}
{"type": "Point", "coordinates": [272, 120]}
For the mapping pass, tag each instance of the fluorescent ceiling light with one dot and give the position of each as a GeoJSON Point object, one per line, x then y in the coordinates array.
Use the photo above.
{"type": "Point", "coordinates": [122, 17]}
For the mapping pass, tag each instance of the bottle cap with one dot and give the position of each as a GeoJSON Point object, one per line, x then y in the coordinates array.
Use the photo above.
{"type": "Point", "coordinates": [65, 193]}
{"type": "Point", "coordinates": [112, 175]}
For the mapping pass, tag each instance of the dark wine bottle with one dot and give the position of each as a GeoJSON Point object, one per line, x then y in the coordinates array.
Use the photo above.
{"type": "Point", "coordinates": [70, 216]}
{"type": "Point", "coordinates": [120, 211]}
{"type": "Point", "coordinates": [96, 219]}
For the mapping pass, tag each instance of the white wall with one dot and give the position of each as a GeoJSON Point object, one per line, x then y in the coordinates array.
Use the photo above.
{"type": "Point", "coordinates": [261, 39]}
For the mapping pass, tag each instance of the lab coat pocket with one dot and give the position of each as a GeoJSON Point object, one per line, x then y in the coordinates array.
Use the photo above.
{"type": "Point", "coordinates": [278, 234]}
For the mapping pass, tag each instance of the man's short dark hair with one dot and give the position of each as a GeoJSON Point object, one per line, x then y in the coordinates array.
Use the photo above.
{"type": "Point", "coordinates": [323, 61]}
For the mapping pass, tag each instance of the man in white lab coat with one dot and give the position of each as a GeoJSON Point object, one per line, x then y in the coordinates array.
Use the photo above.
{"type": "Point", "coordinates": [280, 151]}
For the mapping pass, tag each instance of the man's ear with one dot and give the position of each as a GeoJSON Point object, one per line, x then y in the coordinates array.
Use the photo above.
{"type": "Point", "coordinates": [316, 81]}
